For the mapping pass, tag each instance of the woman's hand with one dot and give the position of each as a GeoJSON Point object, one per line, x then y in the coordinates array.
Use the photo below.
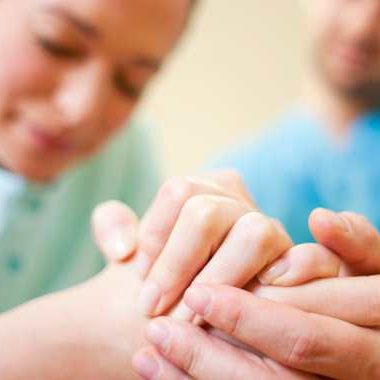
{"type": "Point", "coordinates": [196, 232]}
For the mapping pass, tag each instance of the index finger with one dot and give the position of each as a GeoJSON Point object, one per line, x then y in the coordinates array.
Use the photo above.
{"type": "Point", "coordinates": [305, 341]}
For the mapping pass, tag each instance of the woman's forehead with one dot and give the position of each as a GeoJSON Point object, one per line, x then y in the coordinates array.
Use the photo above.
{"type": "Point", "coordinates": [144, 24]}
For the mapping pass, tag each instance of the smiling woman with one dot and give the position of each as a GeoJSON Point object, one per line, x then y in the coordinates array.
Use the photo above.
{"type": "Point", "coordinates": [68, 81]}
{"type": "Point", "coordinates": [71, 75]}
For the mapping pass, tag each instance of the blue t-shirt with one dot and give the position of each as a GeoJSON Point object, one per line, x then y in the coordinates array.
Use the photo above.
{"type": "Point", "coordinates": [298, 166]}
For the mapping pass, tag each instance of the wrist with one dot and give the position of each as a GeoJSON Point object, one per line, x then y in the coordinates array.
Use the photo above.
{"type": "Point", "coordinates": [90, 331]}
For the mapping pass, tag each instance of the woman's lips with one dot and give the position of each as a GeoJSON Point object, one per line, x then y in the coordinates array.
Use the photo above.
{"type": "Point", "coordinates": [47, 142]}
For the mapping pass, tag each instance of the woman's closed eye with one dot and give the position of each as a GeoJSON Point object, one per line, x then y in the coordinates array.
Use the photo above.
{"type": "Point", "coordinates": [126, 88]}
{"type": "Point", "coordinates": [60, 50]}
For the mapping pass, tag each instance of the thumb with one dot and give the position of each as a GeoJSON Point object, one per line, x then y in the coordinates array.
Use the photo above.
{"type": "Point", "coordinates": [351, 236]}
{"type": "Point", "coordinates": [114, 226]}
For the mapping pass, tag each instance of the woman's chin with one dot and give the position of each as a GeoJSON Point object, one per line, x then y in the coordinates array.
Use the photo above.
{"type": "Point", "coordinates": [28, 168]}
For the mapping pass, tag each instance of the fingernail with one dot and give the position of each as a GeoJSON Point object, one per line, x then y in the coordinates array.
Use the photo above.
{"type": "Point", "coordinates": [146, 365]}
{"type": "Point", "coordinates": [183, 313]}
{"type": "Point", "coordinates": [274, 272]}
{"type": "Point", "coordinates": [121, 243]}
{"type": "Point", "coordinates": [158, 334]}
{"type": "Point", "coordinates": [149, 297]}
{"type": "Point", "coordinates": [143, 263]}
{"type": "Point", "coordinates": [198, 299]}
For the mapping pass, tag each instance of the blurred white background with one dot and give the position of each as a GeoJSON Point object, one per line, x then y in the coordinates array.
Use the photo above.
{"type": "Point", "coordinates": [239, 65]}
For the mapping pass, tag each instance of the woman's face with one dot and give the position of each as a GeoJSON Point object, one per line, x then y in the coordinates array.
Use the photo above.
{"type": "Point", "coordinates": [72, 71]}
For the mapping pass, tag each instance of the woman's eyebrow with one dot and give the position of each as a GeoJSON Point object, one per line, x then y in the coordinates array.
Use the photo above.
{"type": "Point", "coordinates": [82, 26]}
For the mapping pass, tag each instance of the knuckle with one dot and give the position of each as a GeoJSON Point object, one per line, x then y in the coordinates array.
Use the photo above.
{"type": "Point", "coordinates": [370, 238]}
{"type": "Point", "coordinates": [251, 226]}
{"type": "Point", "coordinates": [180, 348]}
{"type": "Point", "coordinates": [263, 230]}
{"type": "Point", "coordinates": [353, 216]}
{"type": "Point", "coordinates": [301, 348]}
{"type": "Point", "coordinates": [361, 221]}
{"type": "Point", "coordinates": [357, 222]}
{"type": "Point", "coordinates": [202, 210]}
{"type": "Point", "coordinates": [192, 360]}
{"type": "Point", "coordinates": [232, 176]}
{"type": "Point", "coordinates": [177, 189]}
{"type": "Point", "coordinates": [235, 320]}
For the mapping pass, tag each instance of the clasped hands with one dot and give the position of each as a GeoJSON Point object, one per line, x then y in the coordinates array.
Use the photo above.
{"type": "Point", "coordinates": [239, 299]}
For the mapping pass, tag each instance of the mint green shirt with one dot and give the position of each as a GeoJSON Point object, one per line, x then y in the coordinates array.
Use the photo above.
{"type": "Point", "coordinates": [45, 235]}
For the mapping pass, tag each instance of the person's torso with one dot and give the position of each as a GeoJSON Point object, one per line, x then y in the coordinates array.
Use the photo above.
{"type": "Point", "coordinates": [45, 236]}
{"type": "Point", "coordinates": [297, 167]}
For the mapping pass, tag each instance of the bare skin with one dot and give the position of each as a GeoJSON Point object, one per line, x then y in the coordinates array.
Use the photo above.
{"type": "Point", "coordinates": [345, 45]}
{"type": "Point", "coordinates": [68, 81]}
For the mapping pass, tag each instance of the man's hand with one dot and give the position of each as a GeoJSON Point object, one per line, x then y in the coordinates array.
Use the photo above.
{"type": "Point", "coordinates": [347, 245]}
{"type": "Point", "coordinates": [184, 351]}
{"type": "Point", "coordinates": [321, 335]}
{"type": "Point", "coordinates": [304, 341]}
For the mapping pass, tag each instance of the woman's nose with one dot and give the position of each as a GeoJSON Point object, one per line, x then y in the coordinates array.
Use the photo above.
{"type": "Point", "coordinates": [83, 95]}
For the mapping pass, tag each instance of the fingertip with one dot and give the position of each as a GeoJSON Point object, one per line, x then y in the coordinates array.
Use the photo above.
{"type": "Point", "coordinates": [145, 363]}
{"type": "Point", "coordinates": [157, 332]}
{"type": "Point", "coordinates": [327, 225]}
{"type": "Point", "coordinates": [114, 227]}
{"type": "Point", "coordinates": [115, 211]}
{"type": "Point", "coordinates": [198, 299]}
{"type": "Point", "coordinates": [321, 217]}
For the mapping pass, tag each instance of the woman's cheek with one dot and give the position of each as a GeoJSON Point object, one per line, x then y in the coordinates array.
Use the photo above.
{"type": "Point", "coordinates": [106, 132]}
{"type": "Point", "coordinates": [119, 112]}
{"type": "Point", "coordinates": [25, 73]}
